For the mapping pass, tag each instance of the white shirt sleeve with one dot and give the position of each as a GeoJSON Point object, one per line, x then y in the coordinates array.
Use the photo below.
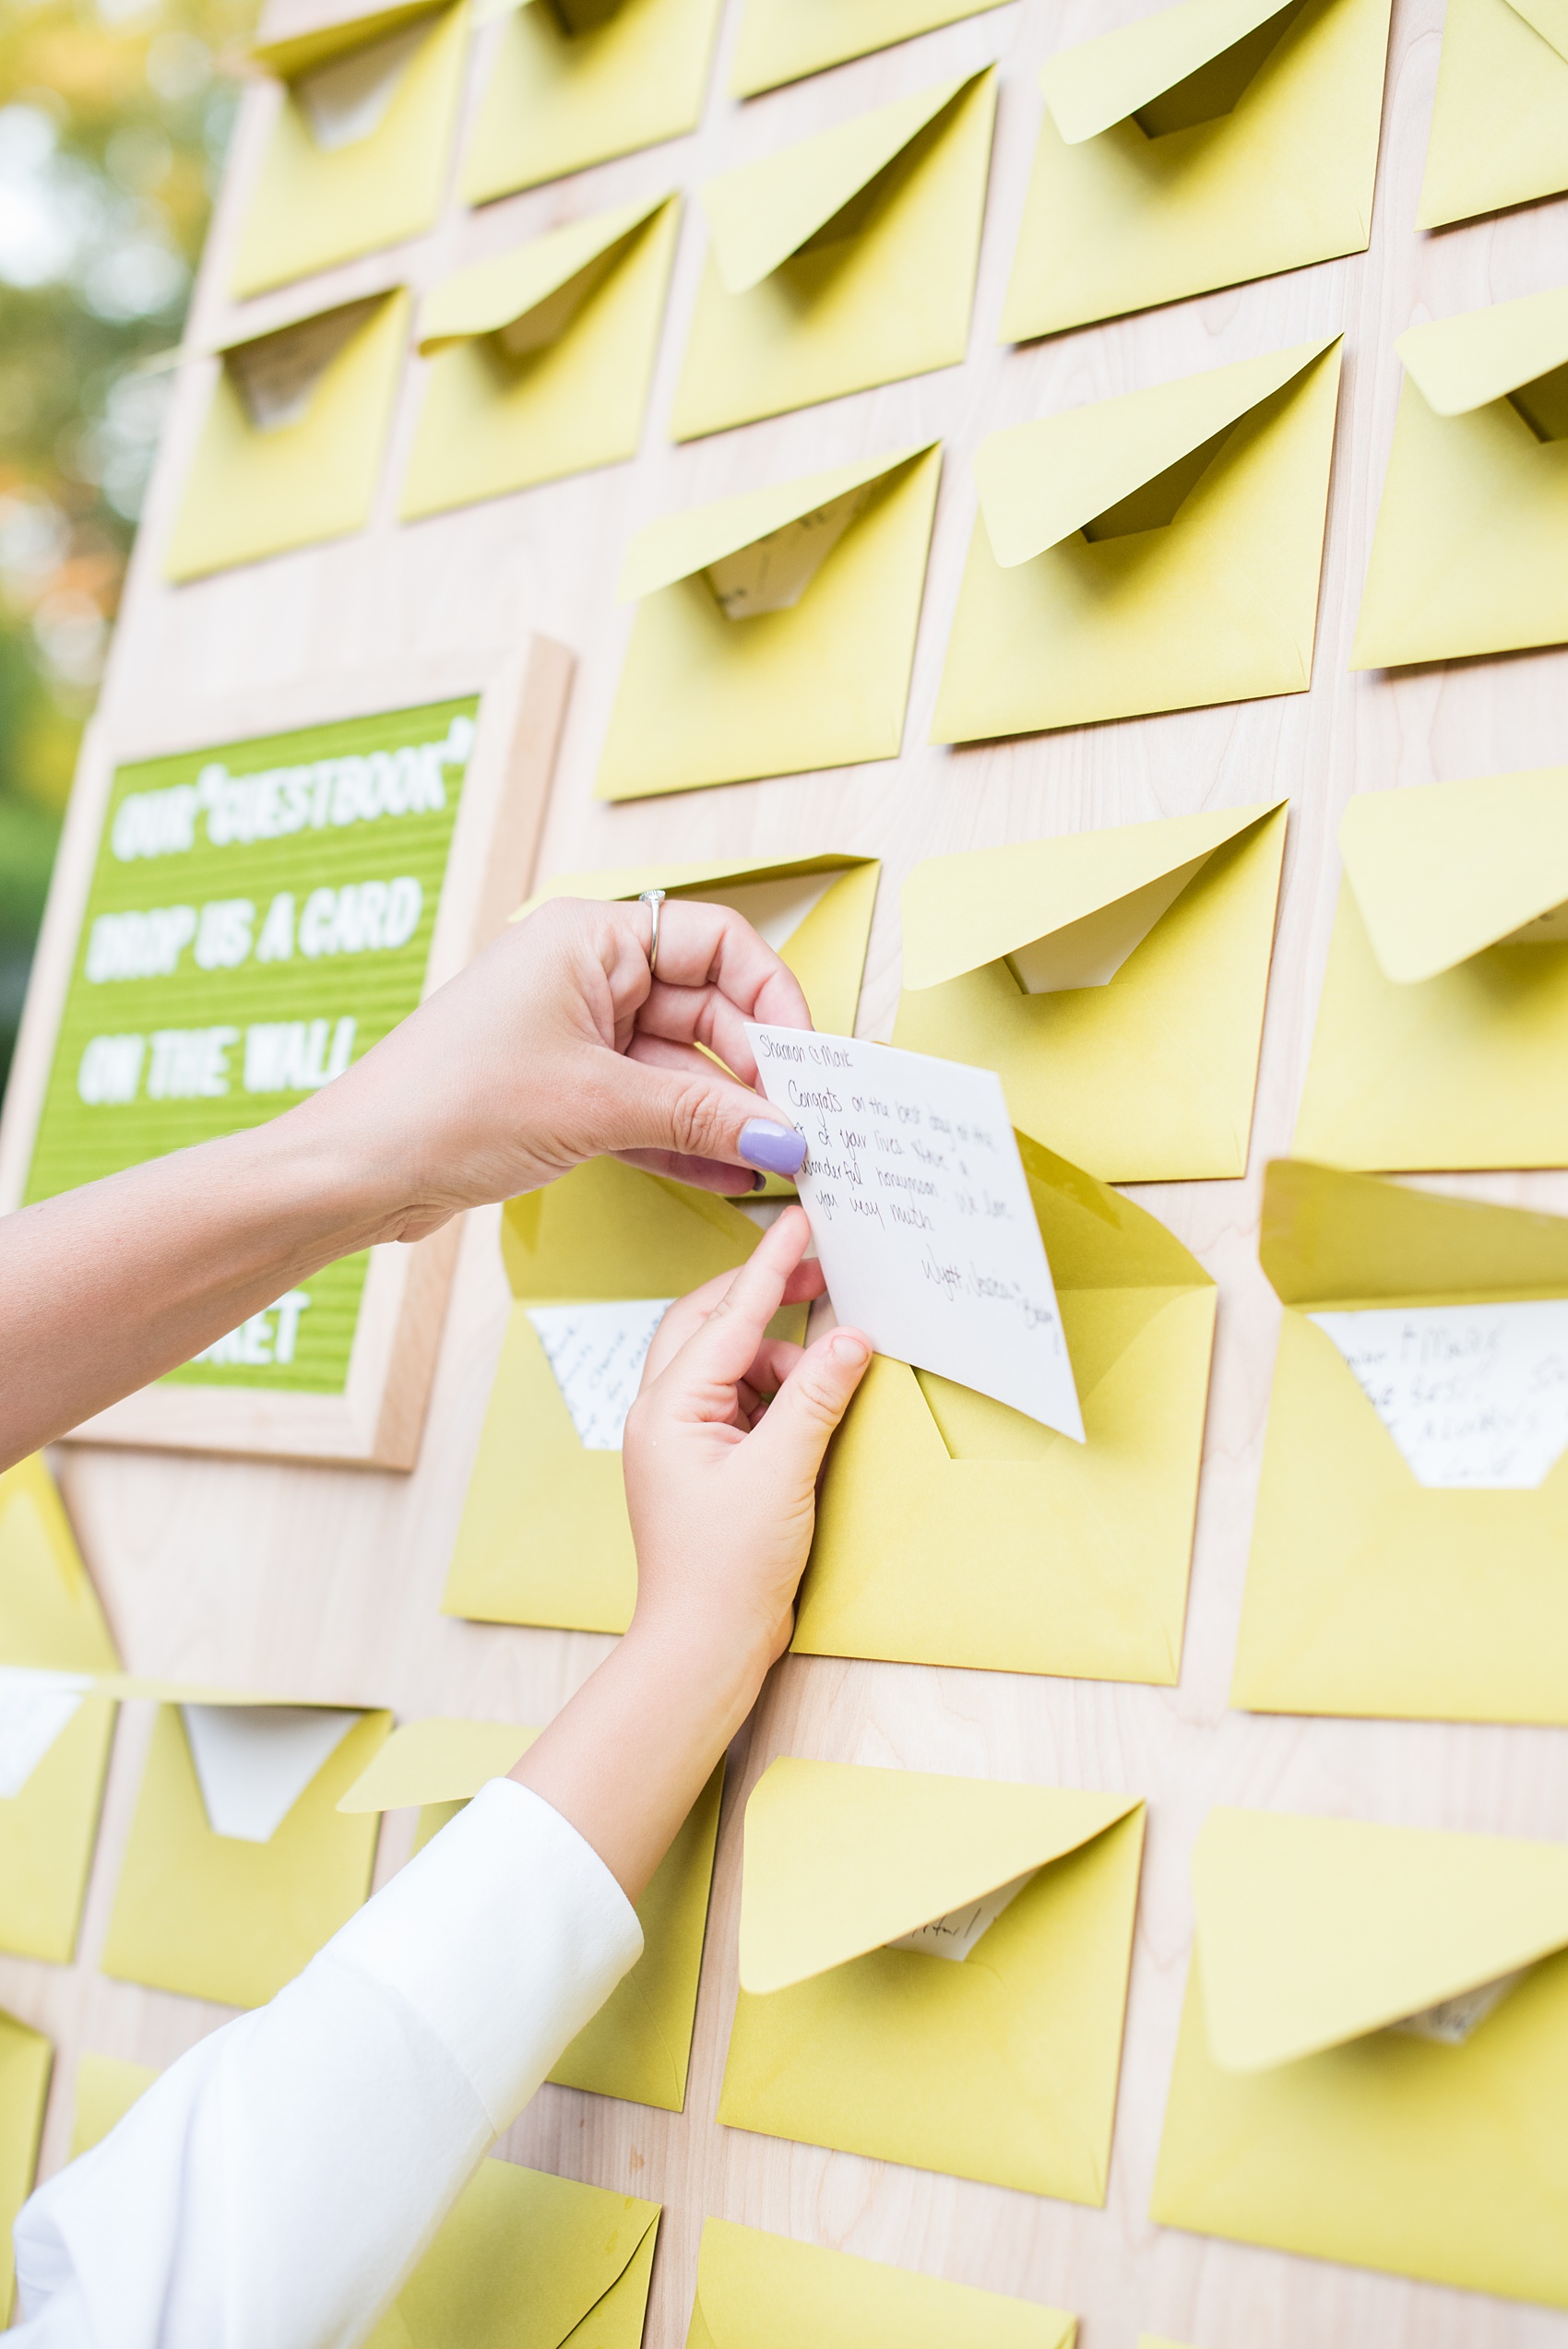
{"type": "Point", "coordinates": [275, 2187]}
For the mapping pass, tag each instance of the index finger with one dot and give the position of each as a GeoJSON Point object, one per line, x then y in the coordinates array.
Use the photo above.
{"type": "Point", "coordinates": [725, 1343]}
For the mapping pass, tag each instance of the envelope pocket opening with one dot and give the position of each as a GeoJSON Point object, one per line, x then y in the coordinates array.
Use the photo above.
{"type": "Point", "coordinates": [1543, 403]}
{"type": "Point", "coordinates": [511, 348]}
{"type": "Point", "coordinates": [575, 17]}
{"type": "Point", "coordinates": [277, 377]}
{"type": "Point", "coordinates": [1216, 87]}
{"type": "Point", "coordinates": [346, 101]}
{"type": "Point", "coordinates": [1153, 506]}
{"type": "Point", "coordinates": [1098, 1325]}
{"type": "Point", "coordinates": [871, 202]}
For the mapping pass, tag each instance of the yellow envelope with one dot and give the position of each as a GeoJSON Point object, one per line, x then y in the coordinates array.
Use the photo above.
{"type": "Point", "coordinates": [544, 1536]}
{"type": "Point", "coordinates": [106, 2088]}
{"type": "Point", "coordinates": [524, 2260]}
{"type": "Point", "coordinates": [1469, 553]}
{"type": "Point", "coordinates": [1442, 1031]}
{"type": "Point", "coordinates": [541, 359]}
{"type": "Point", "coordinates": [639, 2043]}
{"type": "Point", "coordinates": [952, 1530]}
{"type": "Point", "coordinates": [1368, 1591]}
{"type": "Point", "coordinates": [357, 158]}
{"type": "Point", "coordinates": [1300, 2118]}
{"type": "Point", "coordinates": [775, 631]}
{"type": "Point", "coordinates": [290, 452]}
{"type": "Point", "coordinates": [781, 40]}
{"type": "Point", "coordinates": [573, 82]}
{"type": "Point", "coordinates": [1114, 980]}
{"type": "Point", "coordinates": [757, 2291]}
{"type": "Point", "coordinates": [1500, 124]}
{"type": "Point", "coordinates": [845, 261]}
{"type": "Point", "coordinates": [999, 2065]}
{"type": "Point", "coordinates": [1216, 141]}
{"type": "Point", "coordinates": [1157, 551]}
{"type": "Point", "coordinates": [50, 1622]}
{"type": "Point", "coordinates": [25, 2059]}
{"type": "Point", "coordinates": [231, 1916]}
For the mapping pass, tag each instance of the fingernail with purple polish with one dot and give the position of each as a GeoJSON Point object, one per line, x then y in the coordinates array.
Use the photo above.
{"type": "Point", "coordinates": [777, 1150]}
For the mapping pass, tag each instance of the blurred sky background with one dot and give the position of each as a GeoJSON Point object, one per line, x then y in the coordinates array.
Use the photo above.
{"type": "Point", "coordinates": [113, 117]}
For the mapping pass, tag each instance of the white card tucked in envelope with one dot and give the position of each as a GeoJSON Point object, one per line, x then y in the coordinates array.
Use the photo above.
{"type": "Point", "coordinates": [1471, 1395]}
{"type": "Point", "coordinates": [921, 1211]}
{"type": "Point", "coordinates": [597, 1352]}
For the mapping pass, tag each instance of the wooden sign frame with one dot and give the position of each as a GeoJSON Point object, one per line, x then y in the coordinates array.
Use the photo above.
{"type": "Point", "coordinates": [376, 1420]}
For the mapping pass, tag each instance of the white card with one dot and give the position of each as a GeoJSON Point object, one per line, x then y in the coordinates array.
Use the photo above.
{"type": "Point", "coordinates": [597, 1352]}
{"type": "Point", "coordinates": [1473, 1395]}
{"type": "Point", "coordinates": [775, 908]}
{"type": "Point", "coordinates": [348, 100]}
{"type": "Point", "coordinates": [955, 1935]}
{"type": "Point", "coordinates": [773, 573]}
{"type": "Point", "coordinates": [35, 1707]}
{"type": "Point", "coordinates": [1089, 953]}
{"type": "Point", "coordinates": [921, 1213]}
{"type": "Point", "coordinates": [1451, 2020]}
{"type": "Point", "coordinates": [254, 1761]}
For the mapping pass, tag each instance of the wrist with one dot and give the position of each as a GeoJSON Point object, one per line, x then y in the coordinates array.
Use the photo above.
{"type": "Point", "coordinates": [713, 1673]}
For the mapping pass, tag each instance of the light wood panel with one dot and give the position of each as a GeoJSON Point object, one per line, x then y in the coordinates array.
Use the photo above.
{"type": "Point", "coordinates": [328, 1581]}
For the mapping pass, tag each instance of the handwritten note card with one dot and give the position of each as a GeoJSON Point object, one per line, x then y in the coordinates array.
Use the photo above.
{"type": "Point", "coordinates": [35, 1707]}
{"type": "Point", "coordinates": [1473, 1395]}
{"type": "Point", "coordinates": [921, 1215]}
{"type": "Point", "coordinates": [955, 1935]}
{"type": "Point", "coordinates": [1452, 2021]}
{"type": "Point", "coordinates": [597, 1352]}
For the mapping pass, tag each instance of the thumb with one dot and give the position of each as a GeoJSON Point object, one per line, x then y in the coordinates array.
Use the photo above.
{"type": "Point", "coordinates": [795, 1428]}
{"type": "Point", "coordinates": [692, 1111]}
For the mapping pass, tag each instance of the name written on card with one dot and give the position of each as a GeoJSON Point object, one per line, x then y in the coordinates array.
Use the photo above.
{"type": "Point", "coordinates": [921, 1211]}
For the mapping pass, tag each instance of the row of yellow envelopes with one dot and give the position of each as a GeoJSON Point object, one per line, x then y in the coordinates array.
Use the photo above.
{"type": "Point", "coordinates": [1212, 142]}
{"type": "Point", "coordinates": [932, 1969]}
{"type": "Point", "coordinates": [1155, 551]}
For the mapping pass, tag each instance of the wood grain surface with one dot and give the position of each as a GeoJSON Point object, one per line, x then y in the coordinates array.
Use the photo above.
{"type": "Point", "coordinates": [325, 1582]}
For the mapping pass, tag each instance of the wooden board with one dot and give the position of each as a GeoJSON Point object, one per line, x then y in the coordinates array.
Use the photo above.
{"type": "Point", "coordinates": [329, 1582]}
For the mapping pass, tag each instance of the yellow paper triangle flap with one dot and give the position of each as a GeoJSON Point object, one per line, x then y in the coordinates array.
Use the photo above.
{"type": "Point", "coordinates": [757, 2291]}
{"type": "Point", "coordinates": [1097, 1238]}
{"type": "Point", "coordinates": [1462, 363]}
{"type": "Point", "coordinates": [522, 2257]}
{"type": "Point", "coordinates": [683, 544]}
{"type": "Point", "coordinates": [126, 1686]}
{"type": "Point", "coordinates": [502, 291]}
{"type": "Point", "coordinates": [841, 1859]}
{"type": "Point", "coordinates": [436, 1760]}
{"type": "Point", "coordinates": [619, 882]}
{"type": "Point", "coordinates": [1040, 483]}
{"type": "Point", "coordinates": [299, 51]}
{"type": "Point", "coordinates": [1334, 1240]}
{"type": "Point", "coordinates": [1089, 89]}
{"type": "Point", "coordinates": [1444, 870]}
{"type": "Point", "coordinates": [1550, 18]}
{"type": "Point", "coordinates": [50, 1616]}
{"type": "Point", "coordinates": [607, 1230]}
{"type": "Point", "coordinates": [962, 911]}
{"type": "Point", "coordinates": [1313, 1931]}
{"type": "Point", "coordinates": [760, 213]}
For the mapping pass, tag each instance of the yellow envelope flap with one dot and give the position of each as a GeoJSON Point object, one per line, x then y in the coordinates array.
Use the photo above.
{"type": "Point", "coordinates": [148, 1687]}
{"type": "Point", "coordinates": [504, 291]}
{"type": "Point", "coordinates": [1088, 89]}
{"type": "Point", "coordinates": [1462, 363]}
{"type": "Point", "coordinates": [1333, 1240]}
{"type": "Point", "coordinates": [962, 911]}
{"type": "Point", "coordinates": [760, 213]}
{"type": "Point", "coordinates": [1040, 483]}
{"type": "Point", "coordinates": [299, 51]}
{"type": "Point", "coordinates": [1313, 1931]}
{"type": "Point", "coordinates": [607, 1230]}
{"type": "Point", "coordinates": [1444, 870]}
{"type": "Point", "coordinates": [841, 1859]}
{"type": "Point", "coordinates": [50, 1616]}
{"type": "Point", "coordinates": [683, 544]}
{"type": "Point", "coordinates": [436, 1760]}
{"type": "Point", "coordinates": [1095, 1237]}
{"type": "Point", "coordinates": [1550, 18]}
{"type": "Point", "coordinates": [757, 2291]}
{"type": "Point", "coordinates": [619, 882]}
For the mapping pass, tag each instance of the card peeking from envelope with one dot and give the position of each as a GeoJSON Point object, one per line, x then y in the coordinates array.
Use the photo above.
{"type": "Point", "coordinates": [639, 2043]}
{"type": "Point", "coordinates": [55, 1730]}
{"type": "Point", "coordinates": [934, 1971]}
{"type": "Point", "coordinates": [775, 632]}
{"type": "Point", "coordinates": [290, 452]}
{"type": "Point", "coordinates": [594, 1262]}
{"type": "Point", "coordinates": [25, 2060]}
{"type": "Point", "coordinates": [541, 359]}
{"type": "Point", "coordinates": [1442, 1030]}
{"type": "Point", "coordinates": [782, 41]}
{"type": "Point", "coordinates": [1500, 122]}
{"type": "Point", "coordinates": [239, 1866]}
{"type": "Point", "coordinates": [574, 82]}
{"type": "Point", "coordinates": [1156, 551]}
{"type": "Point", "coordinates": [845, 261]}
{"type": "Point", "coordinates": [523, 2258]}
{"type": "Point", "coordinates": [1114, 980]}
{"type": "Point", "coordinates": [757, 2291]}
{"type": "Point", "coordinates": [951, 1529]}
{"type": "Point", "coordinates": [1211, 143]}
{"type": "Point", "coordinates": [1470, 553]}
{"type": "Point", "coordinates": [1375, 2051]}
{"type": "Point", "coordinates": [1412, 1520]}
{"type": "Point", "coordinates": [357, 157]}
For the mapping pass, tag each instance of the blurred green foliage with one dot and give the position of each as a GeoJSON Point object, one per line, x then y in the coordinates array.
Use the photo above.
{"type": "Point", "coordinates": [113, 117]}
